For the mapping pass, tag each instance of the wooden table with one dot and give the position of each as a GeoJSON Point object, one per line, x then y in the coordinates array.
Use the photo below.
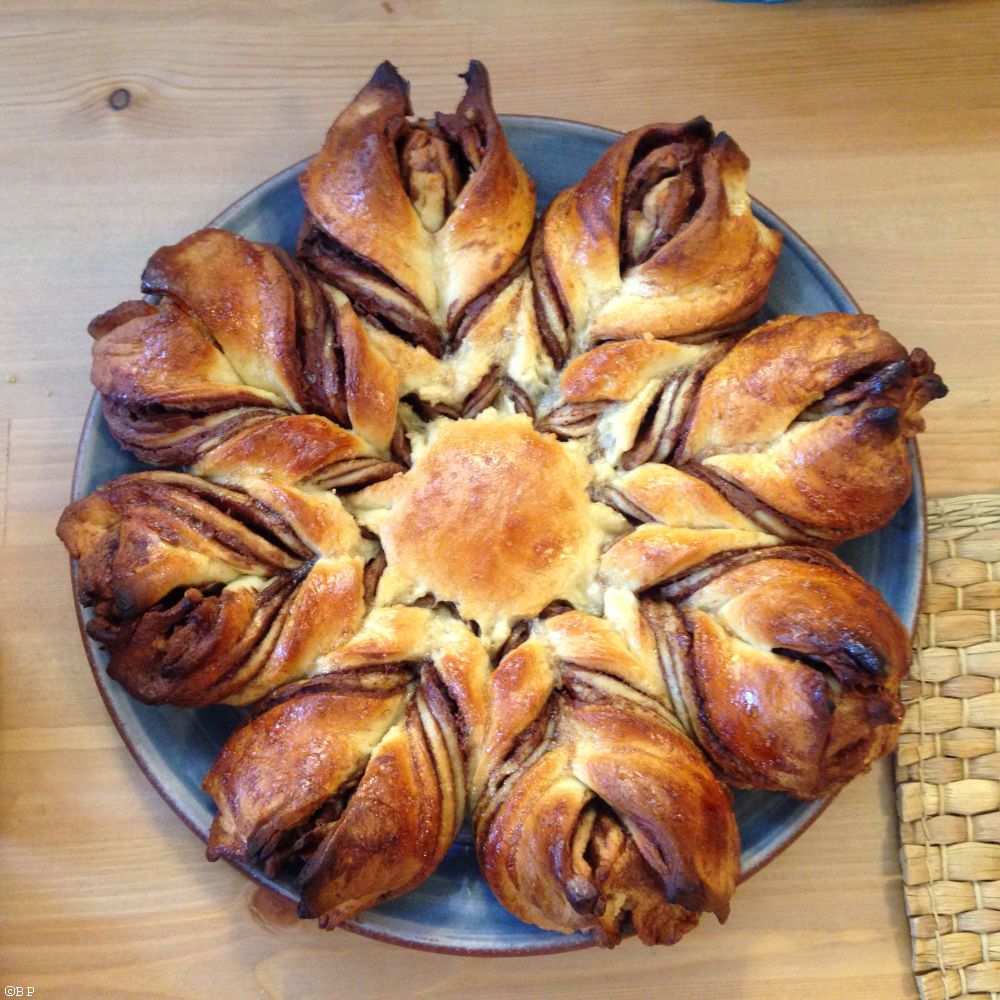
{"type": "Point", "coordinates": [874, 129]}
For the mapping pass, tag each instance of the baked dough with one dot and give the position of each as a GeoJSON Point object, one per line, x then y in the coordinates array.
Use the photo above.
{"type": "Point", "coordinates": [424, 224]}
{"type": "Point", "coordinates": [785, 666]}
{"type": "Point", "coordinates": [204, 593]}
{"type": "Point", "coordinates": [494, 518]}
{"type": "Point", "coordinates": [591, 806]}
{"type": "Point", "coordinates": [356, 777]}
{"type": "Point", "coordinates": [658, 240]}
{"type": "Point", "coordinates": [478, 538]}
{"type": "Point", "coordinates": [807, 419]}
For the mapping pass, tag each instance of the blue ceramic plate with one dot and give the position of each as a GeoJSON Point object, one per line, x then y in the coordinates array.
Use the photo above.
{"type": "Point", "coordinates": [454, 910]}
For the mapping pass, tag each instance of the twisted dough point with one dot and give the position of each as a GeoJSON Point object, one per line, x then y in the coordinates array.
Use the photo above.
{"type": "Point", "coordinates": [784, 666]}
{"type": "Point", "coordinates": [205, 593]}
{"type": "Point", "coordinates": [657, 240]}
{"type": "Point", "coordinates": [630, 396]}
{"type": "Point", "coordinates": [591, 806]}
{"type": "Point", "coordinates": [805, 424]}
{"type": "Point", "coordinates": [684, 523]}
{"type": "Point", "coordinates": [356, 777]}
{"type": "Point", "coordinates": [369, 227]}
{"type": "Point", "coordinates": [423, 226]}
{"type": "Point", "coordinates": [241, 336]}
{"type": "Point", "coordinates": [298, 449]}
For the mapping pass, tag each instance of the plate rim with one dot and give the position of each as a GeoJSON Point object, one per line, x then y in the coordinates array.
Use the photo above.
{"type": "Point", "coordinates": [93, 418]}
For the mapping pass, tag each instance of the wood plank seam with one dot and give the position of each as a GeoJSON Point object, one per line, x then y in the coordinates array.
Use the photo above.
{"type": "Point", "coordinates": [4, 476]}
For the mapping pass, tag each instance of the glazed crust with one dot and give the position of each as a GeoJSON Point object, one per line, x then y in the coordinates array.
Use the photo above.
{"type": "Point", "coordinates": [203, 593]}
{"type": "Point", "coordinates": [241, 337]}
{"type": "Point", "coordinates": [591, 804]}
{"type": "Point", "coordinates": [697, 261]}
{"type": "Point", "coordinates": [788, 665]}
{"type": "Point", "coordinates": [295, 449]}
{"type": "Point", "coordinates": [493, 517]}
{"type": "Point", "coordinates": [422, 226]}
{"type": "Point", "coordinates": [355, 779]}
{"type": "Point", "coordinates": [684, 523]}
{"type": "Point", "coordinates": [240, 294]}
{"type": "Point", "coordinates": [419, 274]}
{"type": "Point", "coordinates": [810, 417]}
{"type": "Point", "coordinates": [353, 191]}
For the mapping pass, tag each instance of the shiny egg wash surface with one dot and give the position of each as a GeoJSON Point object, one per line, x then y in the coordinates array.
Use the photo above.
{"type": "Point", "coordinates": [493, 517]}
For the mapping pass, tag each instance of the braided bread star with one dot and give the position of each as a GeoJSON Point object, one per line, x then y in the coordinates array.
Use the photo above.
{"type": "Point", "coordinates": [493, 522]}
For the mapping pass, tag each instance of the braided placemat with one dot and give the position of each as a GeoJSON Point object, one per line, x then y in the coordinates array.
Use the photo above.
{"type": "Point", "coordinates": [948, 762]}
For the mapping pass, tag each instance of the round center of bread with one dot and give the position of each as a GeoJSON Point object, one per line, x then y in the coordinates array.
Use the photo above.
{"type": "Point", "coordinates": [495, 518]}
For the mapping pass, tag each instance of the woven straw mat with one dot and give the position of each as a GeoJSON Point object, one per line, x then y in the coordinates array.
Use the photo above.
{"type": "Point", "coordinates": [948, 761]}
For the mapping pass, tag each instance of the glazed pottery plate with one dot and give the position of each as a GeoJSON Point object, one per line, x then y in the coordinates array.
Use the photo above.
{"type": "Point", "coordinates": [454, 909]}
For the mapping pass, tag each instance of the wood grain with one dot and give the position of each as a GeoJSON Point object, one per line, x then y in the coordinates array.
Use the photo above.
{"type": "Point", "coordinates": [874, 130]}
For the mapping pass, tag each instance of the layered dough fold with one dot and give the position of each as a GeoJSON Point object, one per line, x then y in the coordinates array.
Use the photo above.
{"type": "Point", "coordinates": [658, 240]}
{"type": "Point", "coordinates": [204, 593]}
{"type": "Point", "coordinates": [806, 420]}
{"type": "Point", "coordinates": [802, 424]}
{"type": "Point", "coordinates": [424, 225]}
{"type": "Point", "coordinates": [592, 808]}
{"type": "Point", "coordinates": [241, 337]}
{"type": "Point", "coordinates": [785, 666]}
{"type": "Point", "coordinates": [355, 778]}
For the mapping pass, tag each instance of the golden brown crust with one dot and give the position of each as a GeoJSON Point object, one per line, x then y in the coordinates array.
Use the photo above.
{"type": "Point", "coordinates": [494, 517]}
{"type": "Point", "coordinates": [118, 315]}
{"type": "Point", "coordinates": [356, 777]}
{"type": "Point", "coordinates": [789, 667]}
{"type": "Point", "coordinates": [203, 592]}
{"type": "Point", "coordinates": [368, 192]}
{"type": "Point", "coordinates": [297, 448]}
{"type": "Point", "coordinates": [591, 805]}
{"type": "Point", "coordinates": [353, 190]}
{"type": "Point", "coordinates": [617, 371]}
{"type": "Point", "coordinates": [811, 416]}
{"type": "Point", "coordinates": [396, 828]}
{"type": "Point", "coordinates": [423, 227]}
{"type": "Point", "coordinates": [488, 231]}
{"type": "Point", "coordinates": [532, 546]}
{"type": "Point", "coordinates": [686, 523]}
{"type": "Point", "coordinates": [169, 389]}
{"type": "Point", "coordinates": [631, 397]}
{"type": "Point", "coordinates": [625, 253]}
{"type": "Point", "coordinates": [280, 768]}
{"type": "Point", "coordinates": [371, 384]}
{"type": "Point", "coordinates": [163, 360]}
{"type": "Point", "coordinates": [433, 258]}
{"type": "Point", "coordinates": [241, 336]}
{"type": "Point", "coordinates": [241, 296]}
